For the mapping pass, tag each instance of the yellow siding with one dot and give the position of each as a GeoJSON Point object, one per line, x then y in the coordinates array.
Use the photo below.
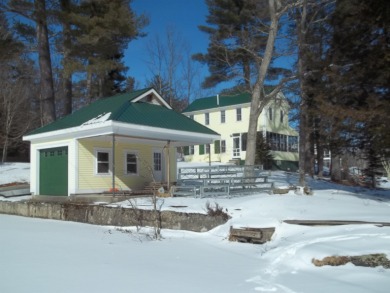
{"type": "Point", "coordinates": [88, 180]}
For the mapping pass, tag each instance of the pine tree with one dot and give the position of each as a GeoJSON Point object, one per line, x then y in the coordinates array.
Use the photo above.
{"type": "Point", "coordinates": [233, 26]}
{"type": "Point", "coordinates": [102, 31]}
{"type": "Point", "coordinates": [360, 70]}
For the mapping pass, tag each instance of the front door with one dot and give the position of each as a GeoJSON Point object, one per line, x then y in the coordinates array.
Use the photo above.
{"type": "Point", "coordinates": [157, 165]}
{"type": "Point", "coordinates": [236, 146]}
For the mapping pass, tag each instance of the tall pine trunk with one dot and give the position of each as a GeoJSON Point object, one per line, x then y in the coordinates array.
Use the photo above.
{"type": "Point", "coordinates": [304, 141]}
{"type": "Point", "coordinates": [67, 74]}
{"type": "Point", "coordinates": [46, 74]}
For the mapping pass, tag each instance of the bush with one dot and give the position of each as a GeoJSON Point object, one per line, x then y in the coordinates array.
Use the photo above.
{"type": "Point", "coordinates": [216, 211]}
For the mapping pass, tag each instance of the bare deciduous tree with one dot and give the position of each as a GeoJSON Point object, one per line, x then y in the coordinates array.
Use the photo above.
{"type": "Point", "coordinates": [16, 117]}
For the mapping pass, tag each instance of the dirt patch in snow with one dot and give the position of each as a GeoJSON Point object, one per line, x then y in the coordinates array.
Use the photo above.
{"type": "Point", "coordinates": [367, 260]}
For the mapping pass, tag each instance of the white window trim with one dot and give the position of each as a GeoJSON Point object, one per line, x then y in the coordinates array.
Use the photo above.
{"type": "Point", "coordinates": [125, 153]}
{"type": "Point", "coordinates": [102, 150]}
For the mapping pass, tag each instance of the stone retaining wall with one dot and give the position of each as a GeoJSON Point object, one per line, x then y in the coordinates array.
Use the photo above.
{"type": "Point", "coordinates": [115, 216]}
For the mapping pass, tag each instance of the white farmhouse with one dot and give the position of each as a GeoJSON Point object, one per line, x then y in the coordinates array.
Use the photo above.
{"type": "Point", "coordinates": [228, 115]}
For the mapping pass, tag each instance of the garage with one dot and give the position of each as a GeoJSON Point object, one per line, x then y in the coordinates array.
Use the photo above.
{"type": "Point", "coordinates": [53, 171]}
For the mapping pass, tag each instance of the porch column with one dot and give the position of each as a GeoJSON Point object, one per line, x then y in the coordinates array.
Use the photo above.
{"type": "Point", "coordinates": [168, 166]}
{"type": "Point", "coordinates": [113, 164]}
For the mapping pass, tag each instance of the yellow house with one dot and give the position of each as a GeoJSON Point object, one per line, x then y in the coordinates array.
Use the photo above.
{"type": "Point", "coordinates": [229, 116]}
{"type": "Point", "coordinates": [119, 143]}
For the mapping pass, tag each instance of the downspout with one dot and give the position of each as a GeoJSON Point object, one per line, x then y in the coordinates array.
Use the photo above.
{"type": "Point", "coordinates": [113, 164]}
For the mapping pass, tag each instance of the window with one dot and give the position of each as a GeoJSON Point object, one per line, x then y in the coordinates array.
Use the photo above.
{"type": "Point", "coordinates": [223, 116]}
{"type": "Point", "coordinates": [238, 114]}
{"type": "Point", "coordinates": [270, 113]}
{"type": "Point", "coordinates": [281, 116]}
{"type": "Point", "coordinates": [131, 164]}
{"type": "Point", "coordinates": [223, 146]}
{"type": "Point", "coordinates": [207, 149]}
{"type": "Point", "coordinates": [220, 146]}
{"type": "Point", "coordinates": [157, 161]}
{"type": "Point", "coordinates": [206, 118]}
{"type": "Point", "coordinates": [189, 150]}
{"type": "Point", "coordinates": [102, 162]}
{"type": "Point", "coordinates": [281, 142]}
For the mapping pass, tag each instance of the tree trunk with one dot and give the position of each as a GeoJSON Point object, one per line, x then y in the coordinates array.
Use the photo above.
{"type": "Point", "coordinates": [46, 78]}
{"type": "Point", "coordinates": [67, 74]}
{"type": "Point", "coordinates": [304, 145]}
{"type": "Point", "coordinates": [258, 99]}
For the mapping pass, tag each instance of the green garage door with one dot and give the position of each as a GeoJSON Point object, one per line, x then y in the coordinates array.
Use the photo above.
{"type": "Point", "coordinates": [53, 171]}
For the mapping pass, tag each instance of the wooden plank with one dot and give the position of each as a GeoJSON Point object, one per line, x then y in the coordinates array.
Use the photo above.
{"type": "Point", "coordinates": [332, 222]}
{"type": "Point", "coordinates": [252, 235]}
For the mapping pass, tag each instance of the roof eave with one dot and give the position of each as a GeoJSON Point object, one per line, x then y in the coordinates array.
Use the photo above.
{"type": "Point", "coordinates": [218, 108]}
{"type": "Point", "coordinates": [81, 131]}
{"type": "Point", "coordinates": [178, 137]}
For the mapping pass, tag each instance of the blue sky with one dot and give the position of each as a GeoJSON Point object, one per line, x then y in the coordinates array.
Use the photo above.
{"type": "Point", "coordinates": [183, 15]}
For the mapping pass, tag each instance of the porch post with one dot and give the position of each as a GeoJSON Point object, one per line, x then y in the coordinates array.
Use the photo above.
{"type": "Point", "coordinates": [113, 164]}
{"type": "Point", "coordinates": [168, 166]}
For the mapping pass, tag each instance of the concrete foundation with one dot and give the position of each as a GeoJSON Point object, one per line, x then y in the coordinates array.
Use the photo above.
{"type": "Point", "coordinates": [113, 216]}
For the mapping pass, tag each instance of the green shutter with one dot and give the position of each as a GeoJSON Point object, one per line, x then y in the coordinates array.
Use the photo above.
{"type": "Point", "coordinates": [217, 147]}
{"type": "Point", "coordinates": [201, 149]}
{"type": "Point", "coordinates": [186, 150]}
{"type": "Point", "coordinates": [244, 138]}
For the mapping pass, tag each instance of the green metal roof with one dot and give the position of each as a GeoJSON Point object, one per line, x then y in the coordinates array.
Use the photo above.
{"type": "Point", "coordinates": [212, 102]}
{"type": "Point", "coordinates": [123, 110]}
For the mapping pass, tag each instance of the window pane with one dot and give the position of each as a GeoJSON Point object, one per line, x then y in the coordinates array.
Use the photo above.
{"type": "Point", "coordinates": [131, 168]}
{"type": "Point", "coordinates": [131, 158]}
{"type": "Point", "coordinates": [102, 157]}
{"type": "Point", "coordinates": [102, 168]}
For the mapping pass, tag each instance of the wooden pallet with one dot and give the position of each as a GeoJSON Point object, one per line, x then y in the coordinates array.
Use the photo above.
{"type": "Point", "coordinates": [251, 235]}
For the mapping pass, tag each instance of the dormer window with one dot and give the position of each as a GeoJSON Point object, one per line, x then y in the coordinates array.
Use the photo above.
{"type": "Point", "coordinates": [281, 116]}
{"type": "Point", "coordinates": [270, 113]}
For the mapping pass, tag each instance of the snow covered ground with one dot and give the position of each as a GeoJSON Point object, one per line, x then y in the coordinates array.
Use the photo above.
{"type": "Point", "coordinates": [52, 256]}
